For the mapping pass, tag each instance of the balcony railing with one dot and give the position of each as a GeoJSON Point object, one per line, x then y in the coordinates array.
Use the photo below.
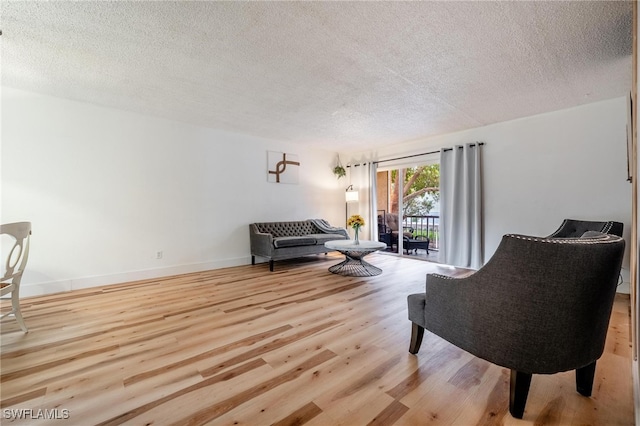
{"type": "Point", "coordinates": [427, 226]}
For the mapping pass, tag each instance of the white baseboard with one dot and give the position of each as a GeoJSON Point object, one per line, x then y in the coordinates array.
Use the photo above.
{"type": "Point", "coordinates": [51, 287]}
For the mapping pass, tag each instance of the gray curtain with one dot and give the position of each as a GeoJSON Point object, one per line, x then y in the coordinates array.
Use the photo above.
{"type": "Point", "coordinates": [361, 178]}
{"type": "Point", "coordinates": [461, 206]}
{"type": "Point", "coordinates": [373, 200]}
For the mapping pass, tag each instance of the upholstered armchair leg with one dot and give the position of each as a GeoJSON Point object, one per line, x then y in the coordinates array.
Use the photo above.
{"type": "Point", "coordinates": [518, 392]}
{"type": "Point", "coordinates": [253, 260]}
{"type": "Point", "coordinates": [584, 379]}
{"type": "Point", "coordinates": [416, 338]}
{"type": "Point", "coordinates": [271, 265]}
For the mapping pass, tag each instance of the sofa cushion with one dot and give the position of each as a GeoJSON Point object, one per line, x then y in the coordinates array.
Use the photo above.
{"type": "Point", "coordinates": [323, 238]}
{"type": "Point", "coordinates": [304, 240]}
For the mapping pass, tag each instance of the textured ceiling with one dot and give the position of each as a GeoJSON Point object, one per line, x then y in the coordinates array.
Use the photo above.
{"type": "Point", "coordinates": [337, 75]}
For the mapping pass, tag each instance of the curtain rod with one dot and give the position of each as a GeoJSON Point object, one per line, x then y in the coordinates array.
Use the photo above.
{"type": "Point", "coordinates": [411, 156]}
{"type": "Point", "coordinates": [407, 156]}
{"type": "Point", "coordinates": [420, 155]}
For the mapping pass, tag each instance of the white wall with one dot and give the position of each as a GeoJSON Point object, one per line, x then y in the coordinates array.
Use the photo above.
{"type": "Point", "coordinates": [539, 170]}
{"type": "Point", "coordinates": [107, 189]}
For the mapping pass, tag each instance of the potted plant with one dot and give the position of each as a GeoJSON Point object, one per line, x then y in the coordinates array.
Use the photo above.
{"type": "Point", "coordinates": [338, 170]}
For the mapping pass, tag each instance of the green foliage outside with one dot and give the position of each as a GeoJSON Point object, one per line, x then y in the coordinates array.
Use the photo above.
{"type": "Point", "coordinates": [420, 189]}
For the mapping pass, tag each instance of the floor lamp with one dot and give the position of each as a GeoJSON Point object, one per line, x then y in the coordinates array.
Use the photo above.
{"type": "Point", "coordinates": [351, 196]}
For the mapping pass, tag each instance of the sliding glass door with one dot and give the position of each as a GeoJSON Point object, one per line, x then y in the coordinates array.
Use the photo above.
{"type": "Point", "coordinates": [408, 209]}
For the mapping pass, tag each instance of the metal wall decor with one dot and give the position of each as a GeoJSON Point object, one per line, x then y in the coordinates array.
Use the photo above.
{"type": "Point", "coordinates": [282, 167]}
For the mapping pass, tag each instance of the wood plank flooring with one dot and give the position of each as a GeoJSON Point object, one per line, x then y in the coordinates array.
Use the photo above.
{"type": "Point", "coordinates": [243, 346]}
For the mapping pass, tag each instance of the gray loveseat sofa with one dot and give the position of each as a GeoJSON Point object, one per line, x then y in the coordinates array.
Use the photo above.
{"type": "Point", "coordinates": [286, 240]}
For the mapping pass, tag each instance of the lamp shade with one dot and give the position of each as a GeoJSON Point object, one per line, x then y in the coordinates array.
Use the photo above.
{"type": "Point", "coordinates": [351, 196]}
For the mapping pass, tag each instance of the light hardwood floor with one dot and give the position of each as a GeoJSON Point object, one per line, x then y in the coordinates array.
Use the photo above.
{"type": "Point", "coordinates": [243, 346]}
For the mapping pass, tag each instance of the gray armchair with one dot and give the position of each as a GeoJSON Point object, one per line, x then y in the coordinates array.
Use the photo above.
{"type": "Point", "coordinates": [575, 228]}
{"type": "Point", "coordinates": [539, 306]}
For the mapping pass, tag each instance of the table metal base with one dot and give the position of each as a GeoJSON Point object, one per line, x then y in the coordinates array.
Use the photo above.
{"type": "Point", "coordinates": [355, 266]}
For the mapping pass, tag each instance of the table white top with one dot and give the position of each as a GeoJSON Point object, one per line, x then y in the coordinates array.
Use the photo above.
{"type": "Point", "coordinates": [365, 245]}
